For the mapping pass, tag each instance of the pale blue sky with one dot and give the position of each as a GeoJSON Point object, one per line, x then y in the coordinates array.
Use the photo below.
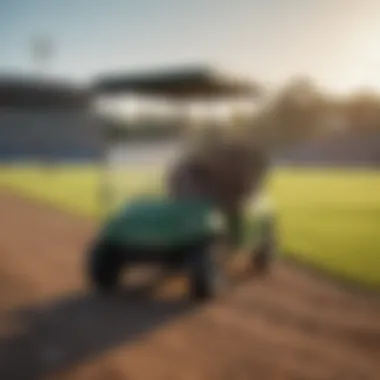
{"type": "Point", "coordinates": [337, 42]}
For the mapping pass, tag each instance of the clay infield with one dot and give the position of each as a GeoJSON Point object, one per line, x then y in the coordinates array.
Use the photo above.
{"type": "Point", "coordinates": [290, 325]}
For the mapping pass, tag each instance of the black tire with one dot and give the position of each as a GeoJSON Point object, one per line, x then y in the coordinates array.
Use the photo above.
{"type": "Point", "coordinates": [105, 264]}
{"type": "Point", "coordinates": [207, 277]}
{"type": "Point", "coordinates": [263, 257]}
{"type": "Point", "coordinates": [266, 252]}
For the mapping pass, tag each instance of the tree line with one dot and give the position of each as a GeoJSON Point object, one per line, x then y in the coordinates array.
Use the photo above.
{"type": "Point", "coordinates": [301, 111]}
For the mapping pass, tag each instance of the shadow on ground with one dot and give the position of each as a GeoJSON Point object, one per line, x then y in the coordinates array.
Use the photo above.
{"type": "Point", "coordinates": [60, 334]}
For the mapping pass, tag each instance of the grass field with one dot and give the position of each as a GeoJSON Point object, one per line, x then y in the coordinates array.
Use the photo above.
{"type": "Point", "coordinates": [328, 218]}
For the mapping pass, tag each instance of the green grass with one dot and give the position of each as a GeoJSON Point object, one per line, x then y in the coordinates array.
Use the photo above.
{"type": "Point", "coordinates": [328, 218]}
{"type": "Point", "coordinates": [331, 218]}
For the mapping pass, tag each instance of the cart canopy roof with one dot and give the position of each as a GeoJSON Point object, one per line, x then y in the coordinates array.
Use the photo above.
{"type": "Point", "coordinates": [183, 82]}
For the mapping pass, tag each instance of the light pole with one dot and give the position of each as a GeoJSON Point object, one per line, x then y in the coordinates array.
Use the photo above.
{"type": "Point", "coordinates": [42, 52]}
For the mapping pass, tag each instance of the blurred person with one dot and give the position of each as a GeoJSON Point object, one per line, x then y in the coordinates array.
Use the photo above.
{"type": "Point", "coordinates": [224, 170]}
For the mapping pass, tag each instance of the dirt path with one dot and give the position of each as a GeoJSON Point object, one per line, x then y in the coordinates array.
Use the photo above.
{"type": "Point", "coordinates": [288, 326]}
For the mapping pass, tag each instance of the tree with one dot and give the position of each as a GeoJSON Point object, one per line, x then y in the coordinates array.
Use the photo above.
{"type": "Point", "coordinates": [294, 114]}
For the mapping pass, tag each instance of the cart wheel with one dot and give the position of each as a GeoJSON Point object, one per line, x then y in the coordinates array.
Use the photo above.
{"type": "Point", "coordinates": [208, 277]}
{"type": "Point", "coordinates": [263, 257]}
{"type": "Point", "coordinates": [105, 264]}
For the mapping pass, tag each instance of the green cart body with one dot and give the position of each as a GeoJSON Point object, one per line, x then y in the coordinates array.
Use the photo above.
{"type": "Point", "coordinates": [157, 224]}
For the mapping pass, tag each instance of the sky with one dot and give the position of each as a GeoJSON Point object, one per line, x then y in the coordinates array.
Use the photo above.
{"type": "Point", "coordinates": [334, 42]}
